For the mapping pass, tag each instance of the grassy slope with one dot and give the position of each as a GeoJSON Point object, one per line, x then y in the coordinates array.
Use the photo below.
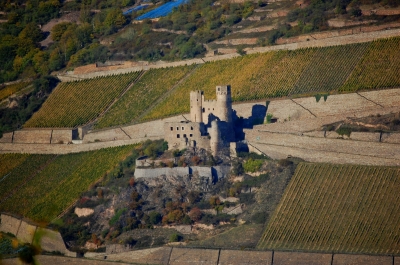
{"type": "Point", "coordinates": [338, 208]}
{"type": "Point", "coordinates": [61, 180]}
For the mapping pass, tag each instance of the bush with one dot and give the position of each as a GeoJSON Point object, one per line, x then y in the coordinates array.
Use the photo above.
{"type": "Point", "coordinates": [343, 130]}
{"type": "Point", "coordinates": [285, 162]}
{"type": "Point", "coordinates": [252, 165]}
{"type": "Point", "coordinates": [155, 218]}
{"type": "Point", "coordinates": [175, 238]}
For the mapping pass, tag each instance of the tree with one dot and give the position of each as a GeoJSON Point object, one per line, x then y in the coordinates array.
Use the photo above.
{"type": "Point", "coordinates": [214, 201]}
{"type": "Point", "coordinates": [32, 32]}
{"type": "Point", "coordinates": [58, 30]}
{"type": "Point", "coordinates": [115, 18]}
{"type": "Point", "coordinates": [195, 214]}
{"type": "Point", "coordinates": [155, 218]}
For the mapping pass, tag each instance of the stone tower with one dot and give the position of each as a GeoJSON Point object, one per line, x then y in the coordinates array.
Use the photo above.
{"type": "Point", "coordinates": [215, 135]}
{"type": "Point", "coordinates": [224, 103]}
{"type": "Point", "coordinates": [196, 98]}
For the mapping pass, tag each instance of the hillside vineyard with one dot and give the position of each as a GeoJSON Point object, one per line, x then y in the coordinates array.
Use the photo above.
{"type": "Point", "coordinates": [336, 69]}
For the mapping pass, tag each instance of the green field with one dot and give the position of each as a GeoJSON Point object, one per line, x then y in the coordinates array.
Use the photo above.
{"type": "Point", "coordinates": [76, 103]}
{"type": "Point", "coordinates": [379, 68]}
{"type": "Point", "coordinates": [338, 208]}
{"type": "Point", "coordinates": [42, 186]}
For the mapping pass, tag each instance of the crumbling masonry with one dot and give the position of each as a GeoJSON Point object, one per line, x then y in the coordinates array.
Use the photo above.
{"type": "Point", "coordinates": [211, 125]}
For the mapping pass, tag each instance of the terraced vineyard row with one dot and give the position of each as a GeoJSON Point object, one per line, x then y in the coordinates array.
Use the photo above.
{"type": "Point", "coordinates": [255, 76]}
{"type": "Point", "coordinates": [329, 68]}
{"type": "Point", "coordinates": [8, 162]}
{"type": "Point", "coordinates": [252, 77]}
{"type": "Point", "coordinates": [17, 175]}
{"type": "Point", "coordinates": [11, 89]}
{"type": "Point", "coordinates": [76, 103]}
{"type": "Point", "coordinates": [338, 208]}
{"type": "Point", "coordinates": [143, 94]}
{"type": "Point", "coordinates": [59, 183]}
{"type": "Point", "coordinates": [379, 68]}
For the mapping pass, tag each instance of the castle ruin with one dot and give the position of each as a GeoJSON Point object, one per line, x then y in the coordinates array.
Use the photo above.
{"type": "Point", "coordinates": [210, 126]}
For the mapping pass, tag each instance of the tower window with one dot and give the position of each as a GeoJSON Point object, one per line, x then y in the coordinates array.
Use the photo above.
{"type": "Point", "coordinates": [177, 128]}
{"type": "Point", "coordinates": [191, 128]}
{"type": "Point", "coordinates": [172, 128]}
{"type": "Point", "coordinates": [190, 135]}
{"type": "Point", "coordinates": [183, 128]}
{"type": "Point", "coordinates": [204, 110]}
{"type": "Point", "coordinates": [178, 136]}
{"type": "Point", "coordinates": [184, 136]}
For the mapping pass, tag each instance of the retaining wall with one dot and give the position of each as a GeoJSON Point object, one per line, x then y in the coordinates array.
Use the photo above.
{"type": "Point", "coordinates": [7, 137]}
{"type": "Point", "coordinates": [66, 149]}
{"type": "Point", "coordinates": [324, 150]}
{"type": "Point", "coordinates": [25, 232]}
{"type": "Point", "coordinates": [208, 172]}
{"type": "Point", "coordinates": [339, 40]}
{"type": "Point", "coordinates": [323, 39]}
{"type": "Point", "coordinates": [61, 136]}
{"type": "Point", "coordinates": [186, 256]}
{"type": "Point", "coordinates": [36, 136]}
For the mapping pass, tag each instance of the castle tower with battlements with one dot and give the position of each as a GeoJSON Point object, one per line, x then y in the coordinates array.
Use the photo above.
{"type": "Point", "coordinates": [210, 126]}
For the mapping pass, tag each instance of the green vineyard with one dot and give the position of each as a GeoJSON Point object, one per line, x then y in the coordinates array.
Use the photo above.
{"type": "Point", "coordinates": [142, 95]}
{"type": "Point", "coordinates": [160, 93]}
{"type": "Point", "coordinates": [76, 103]}
{"type": "Point", "coordinates": [379, 68]}
{"type": "Point", "coordinates": [338, 208]}
{"type": "Point", "coordinates": [11, 89]}
{"type": "Point", "coordinates": [42, 186]}
{"type": "Point", "coordinates": [288, 73]}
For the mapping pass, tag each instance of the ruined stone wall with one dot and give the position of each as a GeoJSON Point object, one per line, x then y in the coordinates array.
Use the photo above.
{"type": "Point", "coordinates": [209, 107]}
{"type": "Point", "coordinates": [217, 172]}
{"type": "Point", "coordinates": [156, 172]}
{"type": "Point", "coordinates": [179, 135]}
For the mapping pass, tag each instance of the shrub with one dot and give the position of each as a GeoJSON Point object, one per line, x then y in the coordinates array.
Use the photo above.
{"type": "Point", "coordinates": [285, 162]}
{"type": "Point", "coordinates": [155, 218]}
{"type": "Point", "coordinates": [252, 165]}
{"type": "Point", "coordinates": [195, 214]}
{"type": "Point", "coordinates": [343, 130]}
{"type": "Point", "coordinates": [175, 238]}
